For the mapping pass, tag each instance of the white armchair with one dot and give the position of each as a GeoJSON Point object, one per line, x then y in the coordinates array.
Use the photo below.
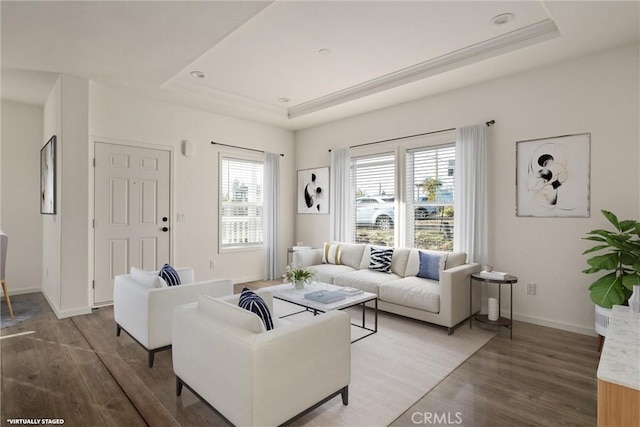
{"type": "Point", "coordinates": [145, 311]}
{"type": "Point", "coordinates": [253, 377]}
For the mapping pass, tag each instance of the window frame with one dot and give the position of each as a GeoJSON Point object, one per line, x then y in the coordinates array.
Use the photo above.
{"type": "Point", "coordinates": [241, 157]}
{"type": "Point", "coordinates": [400, 148]}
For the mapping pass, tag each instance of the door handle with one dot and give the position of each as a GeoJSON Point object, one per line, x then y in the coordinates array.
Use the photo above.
{"type": "Point", "coordinates": [165, 229]}
{"type": "Point", "coordinates": [165, 219]}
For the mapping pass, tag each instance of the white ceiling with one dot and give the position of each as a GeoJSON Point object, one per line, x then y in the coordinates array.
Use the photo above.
{"type": "Point", "coordinates": [256, 53]}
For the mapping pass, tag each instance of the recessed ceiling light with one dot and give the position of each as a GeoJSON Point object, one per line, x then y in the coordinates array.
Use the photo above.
{"type": "Point", "coordinates": [324, 51]}
{"type": "Point", "coordinates": [503, 18]}
{"type": "Point", "coordinates": [285, 100]}
{"type": "Point", "coordinates": [197, 74]}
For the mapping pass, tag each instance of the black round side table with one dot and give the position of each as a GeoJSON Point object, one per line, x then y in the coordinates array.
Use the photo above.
{"type": "Point", "coordinates": [483, 318]}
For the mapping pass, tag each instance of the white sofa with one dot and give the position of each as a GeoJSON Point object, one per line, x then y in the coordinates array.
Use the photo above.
{"type": "Point", "coordinates": [253, 377]}
{"type": "Point", "coordinates": [444, 302]}
{"type": "Point", "coordinates": [145, 311]}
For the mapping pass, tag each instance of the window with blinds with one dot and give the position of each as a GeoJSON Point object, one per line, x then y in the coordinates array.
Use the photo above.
{"type": "Point", "coordinates": [373, 181]}
{"type": "Point", "coordinates": [240, 203]}
{"type": "Point", "coordinates": [430, 192]}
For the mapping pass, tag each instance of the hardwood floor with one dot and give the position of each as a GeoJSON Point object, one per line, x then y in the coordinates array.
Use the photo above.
{"type": "Point", "coordinates": [78, 370]}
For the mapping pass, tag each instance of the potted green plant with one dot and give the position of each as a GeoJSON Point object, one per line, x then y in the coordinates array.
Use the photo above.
{"type": "Point", "coordinates": [299, 276]}
{"type": "Point", "coordinates": [621, 262]}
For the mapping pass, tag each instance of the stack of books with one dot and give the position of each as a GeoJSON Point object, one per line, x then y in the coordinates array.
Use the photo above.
{"type": "Point", "coordinates": [499, 275]}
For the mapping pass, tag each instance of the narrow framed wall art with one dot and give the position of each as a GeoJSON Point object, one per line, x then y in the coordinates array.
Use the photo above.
{"type": "Point", "coordinates": [552, 176]}
{"type": "Point", "coordinates": [313, 191]}
{"type": "Point", "coordinates": [48, 177]}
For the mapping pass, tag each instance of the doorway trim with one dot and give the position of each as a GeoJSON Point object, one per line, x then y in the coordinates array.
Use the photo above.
{"type": "Point", "coordinates": [93, 140]}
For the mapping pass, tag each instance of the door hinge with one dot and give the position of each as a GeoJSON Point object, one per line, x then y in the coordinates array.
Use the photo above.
{"type": "Point", "coordinates": [93, 224]}
{"type": "Point", "coordinates": [94, 162]}
{"type": "Point", "coordinates": [93, 284]}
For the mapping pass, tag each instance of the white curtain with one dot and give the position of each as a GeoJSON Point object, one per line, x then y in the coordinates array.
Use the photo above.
{"type": "Point", "coordinates": [271, 214]}
{"type": "Point", "coordinates": [340, 199]}
{"type": "Point", "coordinates": [470, 205]}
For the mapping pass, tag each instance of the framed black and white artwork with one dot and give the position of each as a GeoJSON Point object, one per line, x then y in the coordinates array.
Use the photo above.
{"type": "Point", "coordinates": [552, 176]}
{"type": "Point", "coordinates": [48, 177]}
{"type": "Point", "coordinates": [313, 191]}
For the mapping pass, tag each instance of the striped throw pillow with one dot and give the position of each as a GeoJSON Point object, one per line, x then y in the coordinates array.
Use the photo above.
{"type": "Point", "coordinates": [169, 275]}
{"type": "Point", "coordinates": [331, 253]}
{"type": "Point", "coordinates": [252, 302]}
{"type": "Point", "coordinates": [381, 259]}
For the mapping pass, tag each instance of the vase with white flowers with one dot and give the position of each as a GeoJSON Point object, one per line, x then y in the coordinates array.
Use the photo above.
{"type": "Point", "coordinates": [299, 276]}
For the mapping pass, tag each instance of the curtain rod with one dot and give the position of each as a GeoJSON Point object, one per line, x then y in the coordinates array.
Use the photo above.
{"type": "Point", "coordinates": [489, 123]}
{"type": "Point", "coordinates": [243, 148]}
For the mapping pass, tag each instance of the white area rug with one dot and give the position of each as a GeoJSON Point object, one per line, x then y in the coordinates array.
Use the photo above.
{"type": "Point", "coordinates": [393, 369]}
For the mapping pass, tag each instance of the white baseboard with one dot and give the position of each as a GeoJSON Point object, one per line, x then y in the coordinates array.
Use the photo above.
{"type": "Point", "coordinates": [66, 313]}
{"type": "Point", "coordinates": [553, 324]}
{"type": "Point", "coordinates": [23, 291]}
{"type": "Point", "coordinates": [246, 280]}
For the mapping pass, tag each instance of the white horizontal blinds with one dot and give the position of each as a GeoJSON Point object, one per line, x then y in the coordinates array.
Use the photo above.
{"type": "Point", "coordinates": [430, 192]}
{"type": "Point", "coordinates": [241, 202]}
{"type": "Point", "coordinates": [373, 182]}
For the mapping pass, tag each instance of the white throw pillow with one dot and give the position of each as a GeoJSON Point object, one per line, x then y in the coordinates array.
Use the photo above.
{"type": "Point", "coordinates": [148, 278]}
{"type": "Point", "coordinates": [230, 314]}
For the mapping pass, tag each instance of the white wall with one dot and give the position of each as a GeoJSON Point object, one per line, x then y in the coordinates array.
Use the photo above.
{"type": "Point", "coordinates": [65, 235]}
{"type": "Point", "coordinates": [118, 115]}
{"type": "Point", "coordinates": [74, 196]}
{"type": "Point", "coordinates": [596, 94]}
{"type": "Point", "coordinates": [50, 223]}
{"type": "Point", "coordinates": [20, 170]}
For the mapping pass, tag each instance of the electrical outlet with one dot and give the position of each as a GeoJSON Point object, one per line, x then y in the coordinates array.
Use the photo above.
{"type": "Point", "coordinates": [212, 264]}
{"type": "Point", "coordinates": [531, 288]}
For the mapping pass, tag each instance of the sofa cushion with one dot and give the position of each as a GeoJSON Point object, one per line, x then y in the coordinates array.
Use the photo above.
{"type": "Point", "coordinates": [381, 259]}
{"type": "Point", "coordinates": [169, 275]}
{"type": "Point", "coordinates": [252, 302]}
{"type": "Point", "coordinates": [230, 314]}
{"type": "Point", "coordinates": [367, 280]}
{"type": "Point", "coordinates": [398, 260]}
{"type": "Point", "coordinates": [325, 273]}
{"type": "Point", "coordinates": [454, 259]}
{"type": "Point", "coordinates": [431, 265]}
{"type": "Point", "coordinates": [149, 279]}
{"type": "Point", "coordinates": [351, 254]}
{"type": "Point", "coordinates": [414, 292]}
{"type": "Point", "coordinates": [331, 253]}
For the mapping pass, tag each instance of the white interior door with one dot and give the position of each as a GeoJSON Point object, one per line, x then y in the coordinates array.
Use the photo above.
{"type": "Point", "coordinates": [132, 213]}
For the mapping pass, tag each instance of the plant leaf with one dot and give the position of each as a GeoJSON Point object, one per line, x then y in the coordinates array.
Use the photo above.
{"type": "Point", "coordinates": [627, 225]}
{"type": "Point", "coordinates": [591, 270]}
{"type": "Point", "coordinates": [630, 280]}
{"type": "Point", "coordinates": [604, 262]}
{"type": "Point", "coordinates": [595, 248]}
{"type": "Point", "coordinates": [611, 218]}
{"type": "Point", "coordinates": [603, 233]}
{"type": "Point", "coordinates": [594, 238]}
{"type": "Point", "coordinates": [606, 292]}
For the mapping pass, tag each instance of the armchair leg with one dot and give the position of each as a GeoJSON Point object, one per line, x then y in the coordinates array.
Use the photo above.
{"type": "Point", "coordinates": [345, 395]}
{"type": "Point", "coordinates": [178, 386]}
{"type": "Point", "coordinates": [118, 330]}
{"type": "Point", "coordinates": [450, 331]}
{"type": "Point", "coordinates": [151, 356]}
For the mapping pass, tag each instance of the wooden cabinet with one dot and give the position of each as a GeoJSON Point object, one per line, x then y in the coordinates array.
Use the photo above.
{"type": "Point", "coordinates": [619, 371]}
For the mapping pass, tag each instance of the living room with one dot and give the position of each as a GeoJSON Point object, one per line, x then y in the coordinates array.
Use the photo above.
{"type": "Point", "coordinates": [592, 91]}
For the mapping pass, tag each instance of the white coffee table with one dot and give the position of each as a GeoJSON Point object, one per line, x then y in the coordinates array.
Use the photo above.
{"type": "Point", "coordinates": [286, 292]}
